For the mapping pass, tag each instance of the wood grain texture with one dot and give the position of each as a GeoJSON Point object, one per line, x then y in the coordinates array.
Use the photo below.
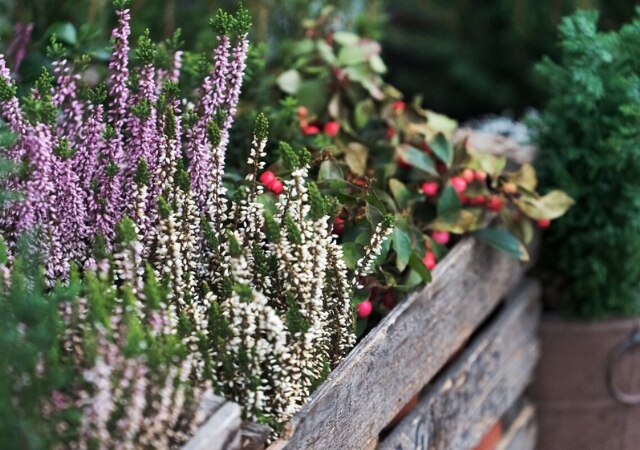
{"type": "Point", "coordinates": [254, 436]}
{"type": "Point", "coordinates": [404, 352]}
{"type": "Point", "coordinates": [520, 433]}
{"type": "Point", "coordinates": [221, 431]}
{"type": "Point", "coordinates": [471, 395]}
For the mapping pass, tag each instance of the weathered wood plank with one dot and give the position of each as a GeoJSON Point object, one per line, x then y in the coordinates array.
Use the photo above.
{"type": "Point", "coordinates": [520, 433]}
{"type": "Point", "coordinates": [254, 436]}
{"type": "Point", "coordinates": [221, 431]}
{"type": "Point", "coordinates": [403, 353]}
{"type": "Point", "coordinates": [475, 391]}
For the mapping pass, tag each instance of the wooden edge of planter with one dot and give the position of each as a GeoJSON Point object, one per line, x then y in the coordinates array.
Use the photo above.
{"type": "Point", "coordinates": [404, 352]}
{"type": "Point", "coordinates": [520, 429]}
{"type": "Point", "coordinates": [471, 395]}
{"type": "Point", "coordinates": [221, 430]}
{"type": "Point", "coordinates": [254, 436]}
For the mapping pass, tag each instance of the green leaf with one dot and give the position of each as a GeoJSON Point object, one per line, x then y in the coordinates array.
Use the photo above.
{"type": "Point", "coordinates": [449, 205]}
{"type": "Point", "coordinates": [356, 158]}
{"type": "Point", "coordinates": [352, 253]}
{"type": "Point", "coordinates": [374, 214]}
{"type": "Point", "coordinates": [441, 147]}
{"type": "Point", "coordinates": [418, 159]}
{"type": "Point", "coordinates": [314, 95]}
{"type": "Point", "coordinates": [550, 206]}
{"type": "Point", "coordinates": [402, 247]}
{"type": "Point", "coordinates": [330, 170]}
{"type": "Point", "coordinates": [491, 164]}
{"type": "Point", "coordinates": [415, 262]}
{"type": "Point", "coordinates": [351, 55]}
{"type": "Point", "coordinates": [289, 81]}
{"type": "Point", "coordinates": [503, 240]}
{"type": "Point", "coordinates": [64, 32]}
{"type": "Point", "coordinates": [345, 38]}
{"type": "Point", "coordinates": [363, 112]}
{"type": "Point", "coordinates": [377, 64]}
{"type": "Point", "coordinates": [400, 193]}
{"type": "Point", "coordinates": [326, 52]}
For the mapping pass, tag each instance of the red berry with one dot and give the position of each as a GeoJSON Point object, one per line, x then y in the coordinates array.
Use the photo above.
{"type": "Point", "coordinates": [480, 175]}
{"type": "Point", "coordinates": [391, 132]}
{"type": "Point", "coordinates": [388, 300]}
{"type": "Point", "coordinates": [468, 175]}
{"type": "Point", "coordinates": [459, 184]}
{"type": "Point", "coordinates": [359, 182]}
{"type": "Point", "coordinates": [338, 226]}
{"type": "Point", "coordinates": [429, 260]}
{"type": "Point", "coordinates": [310, 130]}
{"type": "Point", "coordinates": [267, 177]}
{"type": "Point", "coordinates": [398, 106]}
{"type": "Point", "coordinates": [544, 223]}
{"type": "Point", "coordinates": [441, 237]}
{"type": "Point", "coordinates": [275, 186]}
{"type": "Point", "coordinates": [477, 200]}
{"type": "Point", "coordinates": [495, 203]}
{"type": "Point", "coordinates": [332, 128]}
{"type": "Point", "coordinates": [430, 188]}
{"type": "Point", "coordinates": [302, 112]}
{"type": "Point", "coordinates": [364, 309]}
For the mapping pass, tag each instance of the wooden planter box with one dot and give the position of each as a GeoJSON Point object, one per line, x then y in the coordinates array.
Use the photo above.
{"type": "Point", "coordinates": [457, 344]}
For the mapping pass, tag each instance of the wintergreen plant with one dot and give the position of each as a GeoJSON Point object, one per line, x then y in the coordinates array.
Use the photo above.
{"type": "Point", "coordinates": [589, 132]}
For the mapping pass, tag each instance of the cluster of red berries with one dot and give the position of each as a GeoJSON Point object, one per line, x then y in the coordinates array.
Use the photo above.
{"type": "Point", "coordinates": [365, 308]}
{"type": "Point", "coordinates": [460, 183]}
{"type": "Point", "coordinates": [331, 128]}
{"type": "Point", "coordinates": [271, 182]}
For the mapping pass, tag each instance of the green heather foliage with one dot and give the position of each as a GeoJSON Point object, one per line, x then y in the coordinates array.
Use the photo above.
{"type": "Point", "coordinates": [589, 132]}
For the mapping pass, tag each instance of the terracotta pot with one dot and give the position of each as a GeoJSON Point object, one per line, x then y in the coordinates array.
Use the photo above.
{"type": "Point", "coordinates": [587, 385]}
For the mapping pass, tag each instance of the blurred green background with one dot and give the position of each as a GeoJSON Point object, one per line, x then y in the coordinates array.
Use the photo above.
{"type": "Point", "coordinates": [465, 57]}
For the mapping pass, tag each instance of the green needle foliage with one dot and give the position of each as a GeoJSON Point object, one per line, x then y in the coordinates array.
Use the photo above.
{"type": "Point", "coordinates": [589, 132]}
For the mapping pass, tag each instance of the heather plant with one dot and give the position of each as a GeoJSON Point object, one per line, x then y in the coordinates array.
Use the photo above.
{"type": "Point", "coordinates": [282, 292]}
{"type": "Point", "coordinates": [90, 159]}
{"type": "Point", "coordinates": [92, 365]}
{"type": "Point", "coordinates": [589, 130]}
{"type": "Point", "coordinates": [125, 180]}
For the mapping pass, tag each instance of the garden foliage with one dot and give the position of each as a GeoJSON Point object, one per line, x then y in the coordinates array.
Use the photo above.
{"type": "Point", "coordinates": [589, 132]}
{"type": "Point", "coordinates": [170, 282]}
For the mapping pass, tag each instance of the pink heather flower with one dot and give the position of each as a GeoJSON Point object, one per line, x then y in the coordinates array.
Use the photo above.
{"type": "Point", "coordinates": [177, 66]}
{"type": "Point", "coordinates": [39, 188]}
{"type": "Point", "coordinates": [10, 110]}
{"type": "Point", "coordinates": [90, 145]}
{"type": "Point", "coordinates": [214, 90]}
{"type": "Point", "coordinates": [64, 96]}
{"type": "Point", "coordinates": [18, 47]}
{"type": "Point", "coordinates": [108, 205]}
{"type": "Point", "coordinates": [144, 134]}
{"type": "Point", "coordinates": [119, 71]}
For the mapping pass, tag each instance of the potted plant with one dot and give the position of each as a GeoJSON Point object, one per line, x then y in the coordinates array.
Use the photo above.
{"type": "Point", "coordinates": [589, 132]}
